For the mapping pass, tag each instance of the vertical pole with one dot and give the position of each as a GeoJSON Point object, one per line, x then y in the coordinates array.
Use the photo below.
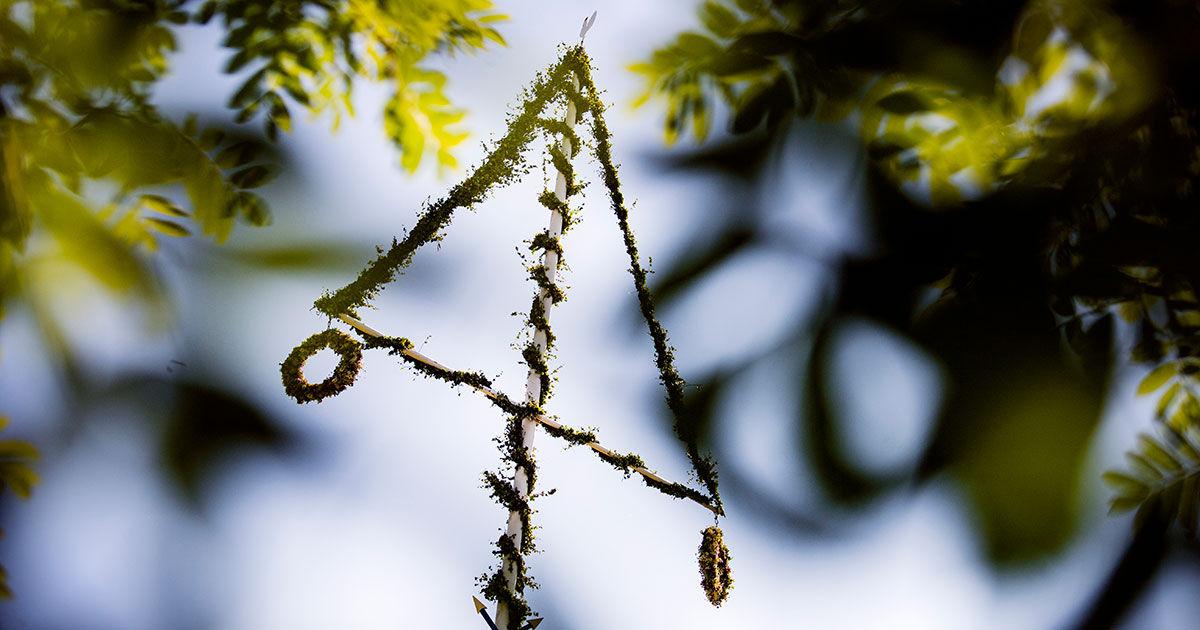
{"type": "Point", "coordinates": [533, 383]}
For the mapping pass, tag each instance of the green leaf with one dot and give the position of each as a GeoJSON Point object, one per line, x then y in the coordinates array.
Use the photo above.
{"type": "Point", "coordinates": [751, 107]}
{"type": "Point", "coordinates": [250, 91]}
{"type": "Point", "coordinates": [206, 12]}
{"type": "Point", "coordinates": [253, 176]}
{"type": "Point", "coordinates": [253, 209]}
{"type": "Point", "coordinates": [1157, 377]}
{"type": "Point", "coordinates": [280, 116]}
{"type": "Point", "coordinates": [1126, 485]}
{"type": "Point", "coordinates": [768, 43]}
{"type": "Point", "coordinates": [238, 61]}
{"type": "Point", "coordinates": [210, 139]}
{"type": "Point", "coordinates": [906, 102]}
{"type": "Point", "coordinates": [163, 205]}
{"type": "Point", "coordinates": [697, 45]}
{"type": "Point", "coordinates": [1159, 455]}
{"type": "Point", "coordinates": [189, 126]}
{"type": "Point", "coordinates": [209, 193]}
{"type": "Point", "coordinates": [1124, 504]}
{"type": "Point", "coordinates": [1142, 467]}
{"type": "Point", "coordinates": [15, 471]}
{"type": "Point", "coordinates": [719, 20]}
{"type": "Point", "coordinates": [12, 449]}
{"type": "Point", "coordinates": [170, 228]}
{"type": "Point", "coordinates": [1160, 410]}
{"type": "Point", "coordinates": [238, 154]}
{"type": "Point", "coordinates": [89, 243]}
{"type": "Point", "coordinates": [700, 118]}
{"type": "Point", "coordinates": [737, 66]}
{"type": "Point", "coordinates": [494, 35]}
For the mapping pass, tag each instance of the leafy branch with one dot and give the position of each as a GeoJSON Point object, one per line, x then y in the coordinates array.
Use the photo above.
{"type": "Point", "coordinates": [1162, 479]}
{"type": "Point", "coordinates": [309, 53]}
{"type": "Point", "coordinates": [1163, 475]}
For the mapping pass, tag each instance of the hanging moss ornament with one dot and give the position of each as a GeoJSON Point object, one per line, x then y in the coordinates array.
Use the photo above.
{"type": "Point", "coordinates": [716, 576]}
{"type": "Point", "coordinates": [343, 375]}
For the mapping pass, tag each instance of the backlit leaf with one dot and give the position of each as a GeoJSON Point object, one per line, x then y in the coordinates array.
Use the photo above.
{"type": "Point", "coordinates": [170, 228]}
{"type": "Point", "coordinates": [252, 176]}
{"type": "Point", "coordinates": [1157, 377]}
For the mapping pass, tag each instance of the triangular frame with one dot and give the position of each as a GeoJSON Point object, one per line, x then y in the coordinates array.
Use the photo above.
{"type": "Point", "coordinates": [570, 80]}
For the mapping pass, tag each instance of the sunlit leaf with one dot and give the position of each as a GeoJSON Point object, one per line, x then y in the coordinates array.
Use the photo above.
{"type": "Point", "coordinates": [719, 20]}
{"type": "Point", "coordinates": [170, 228]}
{"type": "Point", "coordinates": [238, 154]}
{"type": "Point", "coordinates": [253, 209]}
{"type": "Point", "coordinates": [253, 176]}
{"type": "Point", "coordinates": [1158, 377]}
{"type": "Point", "coordinates": [87, 242]}
{"type": "Point", "coordinates": [163, 205]}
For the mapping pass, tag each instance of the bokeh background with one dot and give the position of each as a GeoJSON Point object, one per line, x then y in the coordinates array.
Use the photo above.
{"type": "Point", "coordinates": [180, 487]}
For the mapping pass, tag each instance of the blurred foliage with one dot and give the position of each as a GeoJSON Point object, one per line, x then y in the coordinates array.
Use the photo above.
{"type": "Point", "coordinates": [1163, 476]}
{"type": "Point", "coordinates": [94, 178]}
{"type": "Point", "coordinates": [308, 52]}
{"type": "Point", "coordinates": [928, 116]}
{"type": "Point", "coordinates": [202, 427]}
{"type": "Point", "coordinates": [16, 474]}
{"type": "Point", "coordinates": [93, 173]}
{"type": "Point", "coordinates": [1031, 173]}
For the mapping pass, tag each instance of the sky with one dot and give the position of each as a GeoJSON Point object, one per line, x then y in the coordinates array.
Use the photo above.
{"type": "Point", "coordinates": [383, 524]}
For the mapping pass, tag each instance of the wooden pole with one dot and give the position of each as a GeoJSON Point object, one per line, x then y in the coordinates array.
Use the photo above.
{"type": "Point", "coordinates": [533, 381]}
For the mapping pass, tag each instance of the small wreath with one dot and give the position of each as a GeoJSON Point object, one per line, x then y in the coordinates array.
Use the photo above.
{"type": "Point", "coordinates": [343, 375]}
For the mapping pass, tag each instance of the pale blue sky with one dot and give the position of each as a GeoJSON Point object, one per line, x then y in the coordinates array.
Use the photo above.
{"type": "Point", "coordinates": [387, 527]}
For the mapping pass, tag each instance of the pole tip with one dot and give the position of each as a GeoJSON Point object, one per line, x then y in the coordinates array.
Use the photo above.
{"type": "Point", "coordinates": [587, 25]}
{"type": "Point", "coordinates": [478, 604]}
{"type": "Point", "coordinates": [533, 623]}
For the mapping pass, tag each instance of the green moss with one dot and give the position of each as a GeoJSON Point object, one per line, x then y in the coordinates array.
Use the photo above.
{"type": "Point", "coordinates": [716, 576]}
{"type": "Point", "coordinates": [574, 436]}
{"type": "Point", "coordinates": [343, 375]}
{"type": "Point", "coordinates": [664, 354]}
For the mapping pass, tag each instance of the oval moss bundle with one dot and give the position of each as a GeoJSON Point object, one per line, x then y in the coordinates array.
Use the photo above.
{"type": "Point", "coordinates": [343, 375]}
{"type": "Point", "coordinates": [716, 574]}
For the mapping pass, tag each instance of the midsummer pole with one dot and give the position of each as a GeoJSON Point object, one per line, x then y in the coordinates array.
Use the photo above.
{"type": "Point", "coordinates": [533, 381]}
{"type": "Point", "coordinates": [506, 583]}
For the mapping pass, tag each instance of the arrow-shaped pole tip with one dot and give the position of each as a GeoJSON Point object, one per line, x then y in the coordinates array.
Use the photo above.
{"type": "Point", "coordinates": [587, 26]}
{"type": "Point", "coordinates": [533, 623]}
{"type": "Point", "coordinates": [482, 610]}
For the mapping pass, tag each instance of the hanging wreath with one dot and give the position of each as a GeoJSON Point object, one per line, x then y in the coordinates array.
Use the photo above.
{"type": "Point", "coordinates": [343, 375]}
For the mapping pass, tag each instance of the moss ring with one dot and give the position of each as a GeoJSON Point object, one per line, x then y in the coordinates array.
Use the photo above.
{"type": "Point", "coordinates": [343, 375]}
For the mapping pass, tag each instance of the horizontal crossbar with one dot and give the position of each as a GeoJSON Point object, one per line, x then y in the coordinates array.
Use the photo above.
{"type": "Point", "coordinates": [491, 393]}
